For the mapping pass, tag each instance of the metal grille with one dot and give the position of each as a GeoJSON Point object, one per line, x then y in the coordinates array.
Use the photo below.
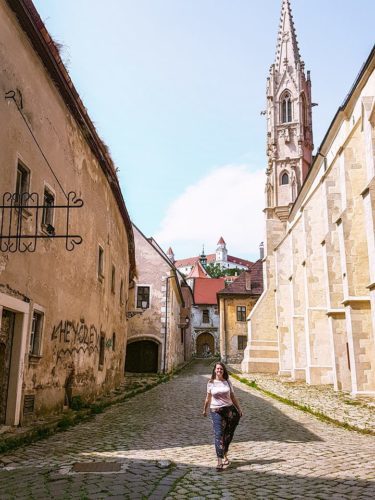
{"type": "Point", "coordinates": [28, 404]}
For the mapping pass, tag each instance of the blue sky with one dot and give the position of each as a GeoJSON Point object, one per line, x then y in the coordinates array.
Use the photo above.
{"type": "Point", "coordinates": [175, 89]}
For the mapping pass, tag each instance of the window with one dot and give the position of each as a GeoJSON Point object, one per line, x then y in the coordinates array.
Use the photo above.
{"type": "Point", "coordinates": [48, 209]}
{"type": "Point", "coordinates": [22, 183]}
{"type": "Point", "coordinates": [100, 262]}
{"type": "Point", "coordinates": [122, 292]}
{"type": "Point", "coordinates": [143, 297]}
{"type": "Point", "coordinates": [286, 108]}
{"type": "Point", "coordinates": [113, 279]}
{"type": "Point", "coordinates": [113, 341]}
{"type": "Point", "coordinates": [36, 333]}
{"type": "Point", "coordinates": [101, 351]}
{"type": "Point", "coordinates": [285, 178]}
{"type": "Point", "coordinates": [205, 316]}
{"type": "Point", "coordinates": [241, 313]}
{"type": "Point", "coordinates": [241, 342]}
{"type": "Point", "coordinates": [182, 335]}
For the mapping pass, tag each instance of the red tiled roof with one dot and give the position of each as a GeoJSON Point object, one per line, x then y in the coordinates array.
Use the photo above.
{"type": "Point", "coordinates": [221, 241]}
{"type": "Point", "coordinates": [198, 271]}
{"type": "Point", "coordinates": [190, 261]}
{"type": "Point", "coordinates": [238, 260]}
{"type": "Point", "coordinates": [205, 290]}
{"type": "Point", "coordinates": [211, 258]}
{"type": "Point", "coordinates": [248, 282]}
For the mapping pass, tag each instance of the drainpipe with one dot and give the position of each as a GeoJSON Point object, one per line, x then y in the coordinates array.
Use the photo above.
{"type": "Point", "coordinates": [166, 321]}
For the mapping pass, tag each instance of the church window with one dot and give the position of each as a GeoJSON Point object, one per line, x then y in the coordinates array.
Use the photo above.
{"type": "Point", "coordinates": [285, 178]}
{"type": "Point", "coordinates": [286, 108]}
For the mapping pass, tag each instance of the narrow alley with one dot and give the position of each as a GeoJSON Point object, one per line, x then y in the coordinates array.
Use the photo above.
{"type": "Point", "coordinates": [158, 445]}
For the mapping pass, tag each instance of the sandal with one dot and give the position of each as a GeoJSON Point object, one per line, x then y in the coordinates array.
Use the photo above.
{"type": "Point", "coordinates": [226, 462]}
{"type": "Point", "coordinates": [219, 467]}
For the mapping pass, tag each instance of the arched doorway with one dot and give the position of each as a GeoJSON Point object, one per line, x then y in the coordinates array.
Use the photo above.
{"type": "Point", "coordinates": [205, 345]}
{"type": "Point", "coordinates": [142, 357]}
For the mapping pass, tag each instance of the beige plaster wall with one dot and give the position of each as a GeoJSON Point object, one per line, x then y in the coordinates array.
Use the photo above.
{"type": "Point", "coordinates": [78, 306]}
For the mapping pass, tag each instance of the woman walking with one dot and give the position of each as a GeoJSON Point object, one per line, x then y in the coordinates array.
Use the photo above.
{"type": "Point", "coordinates": [225, 412]}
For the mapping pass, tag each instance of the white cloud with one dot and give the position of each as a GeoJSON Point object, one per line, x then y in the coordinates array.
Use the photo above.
{"type": "Point", "coordinates": [227, 202]}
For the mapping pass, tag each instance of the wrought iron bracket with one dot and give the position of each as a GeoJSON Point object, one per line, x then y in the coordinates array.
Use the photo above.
{"type": "Point", "coordinates": [20, 229]}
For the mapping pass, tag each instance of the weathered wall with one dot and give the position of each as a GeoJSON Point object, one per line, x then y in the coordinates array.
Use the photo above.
{"type": "Point", "coordinates": [78, 307]}
{"type": "Point", "coordinates": [161, 321]}
{"type": "Point", "coordinates": [212, 327]}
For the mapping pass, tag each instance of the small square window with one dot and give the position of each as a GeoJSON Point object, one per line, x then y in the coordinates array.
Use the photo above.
{"type": "Point", "coordinates": [143, 297]}
{"type": "Point", "coordinates": [241, 342]}
{"type": "Point", "coordinates": [241, 313]}
{"type": "Point", "coordinates": [36, 333]}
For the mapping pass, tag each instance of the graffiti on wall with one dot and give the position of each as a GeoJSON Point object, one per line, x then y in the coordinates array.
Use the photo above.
{"type": "Point", "coordinates": [72, 337]}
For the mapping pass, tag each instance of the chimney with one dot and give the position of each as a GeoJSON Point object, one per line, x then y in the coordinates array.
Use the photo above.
{"type": "Point", "coordinates": [247, 280]}
{"type": "Point", "coordinates": [261, 250]}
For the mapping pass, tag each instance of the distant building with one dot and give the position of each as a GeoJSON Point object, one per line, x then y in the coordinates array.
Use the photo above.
{"type": "Point", "coordinates": [159, 330]}
{"type": "Point", "coordinates": [221, 258]}
{"type": "Point", "coordinates": [236, 301]}
{"type": "Point", "coordinates": [205, 315]}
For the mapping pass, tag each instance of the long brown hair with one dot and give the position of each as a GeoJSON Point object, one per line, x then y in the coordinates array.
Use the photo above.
{"type": "Point", "coordinates": [225, 371]}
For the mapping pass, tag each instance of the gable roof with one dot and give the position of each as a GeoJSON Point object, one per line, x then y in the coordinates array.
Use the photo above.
{"type": "Point", "coordinates": [205, 290]}
{"type": "Point", "coordinates": [198, 271]}
{"type": "Point", "coordinates": [248, 282]}
{"type": "Point", "coordinates": [211, 259]}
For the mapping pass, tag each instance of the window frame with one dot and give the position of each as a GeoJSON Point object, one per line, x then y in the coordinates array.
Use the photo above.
{"type": "Point", "coordinates": [286, 107]}
{"type": "Point", "coordinates": [100, 262]}
{"type": "Point", "coordinates": [241, 314]}
{"type": "Point", "coordinates": [51, 210]}
{"type": "Point", "coordinates": [32, 351]}
{"type": "Point", "coordinates": [23, 187]}
{"type": "Point", "coordinates": [137, 301]}
{"type": "Point", "coordinates": [204, 313]}
{"type": "Point", "coordinates": [283, 174]}
{"type": "Point", "coordinates": [241, 340]}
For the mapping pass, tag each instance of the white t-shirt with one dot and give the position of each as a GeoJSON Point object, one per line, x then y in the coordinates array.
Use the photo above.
{"type": "Point", "coordinates": [220, 393]}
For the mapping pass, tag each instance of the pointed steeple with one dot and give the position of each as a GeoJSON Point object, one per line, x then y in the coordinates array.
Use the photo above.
{"type": "Point", "coordinates": [287, 51]}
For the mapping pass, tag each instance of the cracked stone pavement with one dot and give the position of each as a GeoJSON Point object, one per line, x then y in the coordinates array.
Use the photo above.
{"type": "Point", "coordinates": [165, 448]}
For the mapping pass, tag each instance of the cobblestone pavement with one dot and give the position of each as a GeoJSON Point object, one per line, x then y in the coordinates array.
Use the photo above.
{"type": "Point", "coordinates": [341, 406]}
{"type": "Point", "coordinates": [163, 448]}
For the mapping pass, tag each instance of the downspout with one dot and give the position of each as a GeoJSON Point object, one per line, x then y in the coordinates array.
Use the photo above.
{"type": "Point", "coordinates": [166, 322]}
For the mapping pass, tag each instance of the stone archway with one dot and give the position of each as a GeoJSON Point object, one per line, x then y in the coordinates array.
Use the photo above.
{"type": "Point", "coordinates": [142, 356]}
{"type": "Point", "coordinates": [205, 345]}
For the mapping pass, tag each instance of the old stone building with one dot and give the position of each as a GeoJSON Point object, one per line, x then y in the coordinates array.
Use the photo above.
{"type": "Point", "coordinates": [159, 336]}
{"type": "Point", "coordinates": [315, 320]}
{"type": "Point", "coordinates": [235, 302]}
{"type": "Point", "coordinates": [62, 304]}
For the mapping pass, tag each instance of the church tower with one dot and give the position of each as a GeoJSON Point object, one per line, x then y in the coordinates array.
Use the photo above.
{"type": "Point", "coordinates": [289, 125]}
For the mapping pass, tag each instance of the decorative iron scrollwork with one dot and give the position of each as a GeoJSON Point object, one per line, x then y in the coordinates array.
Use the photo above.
{"type": "Point", "coordinates": [20, 229]}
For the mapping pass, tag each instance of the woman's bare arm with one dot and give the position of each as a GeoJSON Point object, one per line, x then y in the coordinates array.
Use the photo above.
{"type": "Point", "coordinates": [236, 403]}
{"type": "Point", "coordinates": [207, 402]}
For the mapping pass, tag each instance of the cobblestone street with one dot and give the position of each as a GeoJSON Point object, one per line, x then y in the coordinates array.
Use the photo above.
{"type": "Point", "coordinates": [162, 447]}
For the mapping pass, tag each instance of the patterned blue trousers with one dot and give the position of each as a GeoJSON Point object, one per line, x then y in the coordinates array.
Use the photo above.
{"type": "Point", "coordinates": [225, 421]}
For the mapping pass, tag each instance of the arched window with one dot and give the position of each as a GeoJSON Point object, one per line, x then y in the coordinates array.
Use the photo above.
{"type": "Point", "coordinates": [286, 108]}
{"type": "Point", "coordinates": [285, 178]}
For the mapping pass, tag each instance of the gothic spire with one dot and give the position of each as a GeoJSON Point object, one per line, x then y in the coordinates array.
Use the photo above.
{"type": "Point", "coordinates": [287, 51]}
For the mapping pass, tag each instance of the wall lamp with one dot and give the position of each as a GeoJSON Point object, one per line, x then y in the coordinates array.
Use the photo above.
{"type": "Point", "coordinates": [131, 314]}
{"type": "Point", "coordinates": [184, 322]}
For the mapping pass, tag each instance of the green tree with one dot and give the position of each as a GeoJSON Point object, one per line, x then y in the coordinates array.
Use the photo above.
{"type": "Point", "coordinates": [214, 270]}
